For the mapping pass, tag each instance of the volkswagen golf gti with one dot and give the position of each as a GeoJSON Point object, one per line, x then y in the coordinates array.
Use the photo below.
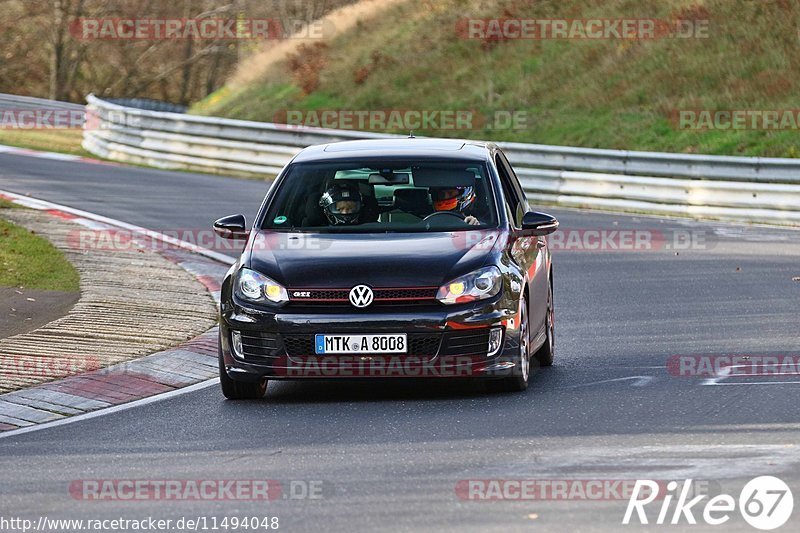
{"type": "Point", "coordinates": [415, 258]}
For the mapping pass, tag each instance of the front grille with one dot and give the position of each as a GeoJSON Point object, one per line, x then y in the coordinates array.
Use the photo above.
{"type": "Point", "coordinates": [467, 342]}
{"type": "Point", "coordinates": [382, 296]}
{"type": "Point", "coordinates": [299, 344]}
{"type": "Point", "coordinates": [422, 344]}
{"type": "Point", "coordinates": [325, 295]}
{"type": "Point", "coordinates": [422, 293]}
{"type": "Point", "coordinates": [261, 347]}
{"type": "Point", "coordinates": [266, 347]}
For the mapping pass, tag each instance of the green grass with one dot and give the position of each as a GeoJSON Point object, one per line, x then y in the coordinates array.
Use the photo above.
{"type": "Point", "coordinates": [594, 93]}
{"type": "Point", "coordinates": [30, 261]}
{"type": "Point", "coordinates": [63, 141]}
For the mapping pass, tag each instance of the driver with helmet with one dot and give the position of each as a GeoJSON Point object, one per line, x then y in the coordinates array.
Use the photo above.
{"type": "Point", "coordinates": [456, 199]}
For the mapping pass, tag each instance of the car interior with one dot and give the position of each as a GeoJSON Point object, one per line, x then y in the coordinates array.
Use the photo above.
{"type": "Point", "coordinates": [394, 199]}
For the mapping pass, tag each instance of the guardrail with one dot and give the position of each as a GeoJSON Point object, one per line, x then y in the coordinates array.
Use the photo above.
{"type": "Point", "coordinates": [17, 102]}
{"type": "Point", "coordinates": [731, 188]}
{"type": "Point", "coordinates": [190, 142]}
{"type": "Point", "coordinates": [16, 106]}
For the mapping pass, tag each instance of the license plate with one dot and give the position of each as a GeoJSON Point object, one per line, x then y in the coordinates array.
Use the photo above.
{"type": "Point", "coordinates": [340, 344]}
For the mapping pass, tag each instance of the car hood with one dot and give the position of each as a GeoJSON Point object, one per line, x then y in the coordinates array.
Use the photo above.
{"type": "Point", "coordinates": [301, 260]}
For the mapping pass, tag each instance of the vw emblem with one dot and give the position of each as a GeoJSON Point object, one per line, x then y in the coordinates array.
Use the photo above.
{"type": "Point", "coordinates": [361, 296]}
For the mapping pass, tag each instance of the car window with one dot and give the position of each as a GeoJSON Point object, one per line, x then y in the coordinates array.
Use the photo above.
{"type": "Point", "coordinates": [516, 206]}
{"type": "Point", "coordinates": [382, 196]}
{"type": "Point", "coordinates": [515, 183]}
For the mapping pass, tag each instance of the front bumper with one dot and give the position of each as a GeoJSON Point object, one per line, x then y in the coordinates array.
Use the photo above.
{"type": "Point", "coordinates": [444, 341]}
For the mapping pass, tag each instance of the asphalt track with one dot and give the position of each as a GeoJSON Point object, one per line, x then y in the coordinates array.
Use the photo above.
{"type": "Point", "coordinates": [390, 455]}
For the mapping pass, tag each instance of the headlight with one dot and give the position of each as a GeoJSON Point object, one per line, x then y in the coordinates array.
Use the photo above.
{"type": "Point", "coordinates": [483, 283]}
{"type": "Point", "coordinates": [255, 287]}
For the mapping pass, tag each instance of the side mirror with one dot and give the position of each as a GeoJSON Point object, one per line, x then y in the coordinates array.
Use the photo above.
{"type": "Point", "coordinates": [539, 223]}
{"type": "Point", "coordinates": [231, 227]}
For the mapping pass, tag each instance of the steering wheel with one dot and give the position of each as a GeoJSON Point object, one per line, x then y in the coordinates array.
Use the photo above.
{"type": "Point", "coordinates": [457, 214]}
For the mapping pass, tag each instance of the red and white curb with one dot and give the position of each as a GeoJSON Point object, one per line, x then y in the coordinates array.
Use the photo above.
{"type": "Point", "coordinates": [185, 368]}
{"type": "Point", "coordinates": [189, 364]}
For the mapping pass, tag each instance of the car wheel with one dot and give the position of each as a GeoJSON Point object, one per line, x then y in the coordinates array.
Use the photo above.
{"type": "Point", "coordinates": [522, 368]}
{"type": "Point", "coordinates": [545, 354]}
{"type": "Point", "coordinates": [239, 390]}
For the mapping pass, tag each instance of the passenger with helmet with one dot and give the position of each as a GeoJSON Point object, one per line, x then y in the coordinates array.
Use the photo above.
{"type": "Point", "coordinates": [342, 204]}
{"type": "Point", "coordinates": [460, 199]}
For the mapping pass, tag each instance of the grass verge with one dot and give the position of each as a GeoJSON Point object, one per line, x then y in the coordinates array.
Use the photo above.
{"type": "Point", "coordinates": [30, 261]}
{"type": "Point", "coordinates": [62, 141]}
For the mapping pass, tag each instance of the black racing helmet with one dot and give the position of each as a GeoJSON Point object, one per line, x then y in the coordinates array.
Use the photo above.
{"type": "Point", "coordinates": [342, 204]}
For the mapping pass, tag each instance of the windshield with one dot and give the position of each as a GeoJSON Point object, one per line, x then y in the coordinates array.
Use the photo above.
{"type": "Point", "coordinates": [383, 196]}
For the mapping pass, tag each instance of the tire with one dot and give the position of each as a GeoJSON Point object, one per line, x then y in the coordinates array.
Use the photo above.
{"type": "Point", "coordinates": [239, 390]}
{"type": "Point", "coordinates": [518, 382]}
{"type": "Point", "coordinates": [545, 354]}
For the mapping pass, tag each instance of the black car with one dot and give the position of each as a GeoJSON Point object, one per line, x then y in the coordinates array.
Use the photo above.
{"type": "Point", "coordinates": [389, 258]}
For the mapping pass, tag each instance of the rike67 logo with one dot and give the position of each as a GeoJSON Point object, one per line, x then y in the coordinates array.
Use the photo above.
{"type": "Point", "coordinates": [765, 503]}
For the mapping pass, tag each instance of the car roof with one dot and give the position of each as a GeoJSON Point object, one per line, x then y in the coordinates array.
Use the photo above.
{"type": "Point", "coordinates": [400, 148]}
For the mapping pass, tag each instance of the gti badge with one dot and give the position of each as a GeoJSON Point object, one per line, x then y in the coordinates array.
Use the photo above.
{"type": "Point", "coordinates": [361, 296]}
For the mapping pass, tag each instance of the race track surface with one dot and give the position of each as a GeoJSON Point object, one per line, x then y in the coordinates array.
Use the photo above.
{"type": "Point", "coordinates": [389, 456]}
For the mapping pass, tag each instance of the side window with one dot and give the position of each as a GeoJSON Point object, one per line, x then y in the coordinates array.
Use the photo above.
{"type": "Point", "coordinates": [516, 206]}
{"type": "Point", "coordinates": [515, 181]}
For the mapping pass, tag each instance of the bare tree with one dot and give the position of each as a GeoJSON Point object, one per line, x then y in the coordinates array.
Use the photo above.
{"type": "Point", "coordinates": [64, 58]}
{"type": "Point", "coordinates": [44, 55]}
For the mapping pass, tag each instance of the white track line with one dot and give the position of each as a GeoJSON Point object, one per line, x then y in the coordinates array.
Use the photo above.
{"type": "Point", "coordinates": [110, 410]}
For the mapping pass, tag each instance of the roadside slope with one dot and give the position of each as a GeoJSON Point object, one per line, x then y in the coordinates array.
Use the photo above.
{"type": "Point", "coordinates": [607, 93]}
